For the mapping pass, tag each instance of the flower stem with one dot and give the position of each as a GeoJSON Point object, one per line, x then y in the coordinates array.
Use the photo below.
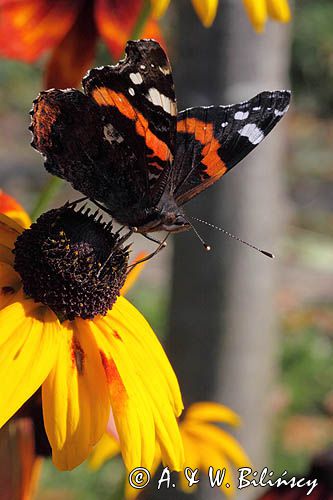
{"type": "Point", "coordinates": [49, 191]}
{"type": "Point", "coordinates": [142, 20]}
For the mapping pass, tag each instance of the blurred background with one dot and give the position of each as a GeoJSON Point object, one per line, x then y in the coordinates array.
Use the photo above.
{"type": "Point", "coordinates": [240, 329]}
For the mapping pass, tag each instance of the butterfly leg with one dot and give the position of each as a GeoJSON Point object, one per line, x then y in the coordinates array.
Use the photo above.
{"type": "Point", "coordinates": [102, 207]}
{"type": "Point", "coordinates": [152, 239]}
{"type": "Point", "coordinates": [75, 202]}
{"type": "Point", "coordinates": [120, 242]}
{"type": "Point", "coordinates": [120, 229]}
{"type": "Point", "coordinates": [162, 244]}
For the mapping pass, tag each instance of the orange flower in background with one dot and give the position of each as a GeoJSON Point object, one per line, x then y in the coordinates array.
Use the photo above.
{"type": "Point", "coordinates": [70, 30]}
{"type": "Point", "coordinates": [10, 207]}
{"type": "Point", "coordinates": [20, 466]}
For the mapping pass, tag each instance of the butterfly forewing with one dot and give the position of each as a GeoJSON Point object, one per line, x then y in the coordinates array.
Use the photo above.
{"type": "Point", "coordinates": [138, 96]}
{"type": "Point", "coordinates": [211, 140]}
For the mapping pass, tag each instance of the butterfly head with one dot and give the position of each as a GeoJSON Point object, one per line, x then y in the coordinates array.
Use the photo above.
{"type": "Point", "coordinates": [172, 217]}
{"type": "Point", "coordinates": [174, 222]}
{"type": "Point", "coordinates": [166, 216]}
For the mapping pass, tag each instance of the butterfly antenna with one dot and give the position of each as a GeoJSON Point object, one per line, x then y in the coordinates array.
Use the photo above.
{"type": "Point", "coordinates": [206, 246]}
{"type": "Point", "coordinates": [268, 254]}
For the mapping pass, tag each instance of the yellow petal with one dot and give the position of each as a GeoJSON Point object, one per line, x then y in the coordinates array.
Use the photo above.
{"type": "Point", "coordinates": [257, 13]}
{"type": "Point", "coordinates": [206, 10]}
{"type": "Point", "coordinates": [28, 349]}
{"type": "Point", "coordinates": [10, 283]}
{"type": "Point", "coordinates": [75, 398]}
{"type": "Point", "coordinates": [212, 412]}
{"type": "Point", "coordinates": [134, 274]}
{"type": "Point", "coordinates": [220, 440]}
{"type": "Point", "coordinates": [158, 7]}
{"type": "Point", "coordinates": [130, 405]}
{"type": "Point", "coordinates": [279, 10]}
{"type": "Point", "coordinates": [21, 217]}
{"type": "Point", "coordinates": [156, 374]}
{"type": "Point", "coordinates": [14, 317]}
{"type": "Point", "coordinates": [106, 448]}
{"type": "Point", "coordinates": [192, 460]}
{"type": "Point", "coordinates": [6, 254]}
{"type": "Point", "coordinates": [132, 493]}
{"type": "Point", "coordinates": [9, 229]}
{"type": "Point", "coordinates": [212, 457]}
{"type": "Point", "coordinates": [123, 312]}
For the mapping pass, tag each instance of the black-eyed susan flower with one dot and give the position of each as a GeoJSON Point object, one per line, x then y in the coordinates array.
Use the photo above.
{"type": "Point", "coordinates": [205, 445]}
{"type": "Point", "coordinates": [259, 11]}
{"type": "Point", "coordinates": [58, 282]}
{"type": "Point", "coordinates": [69, 29]}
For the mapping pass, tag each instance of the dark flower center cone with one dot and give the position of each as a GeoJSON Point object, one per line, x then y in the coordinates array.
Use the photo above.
{"type": "Point", "coordinates": [71, 262]}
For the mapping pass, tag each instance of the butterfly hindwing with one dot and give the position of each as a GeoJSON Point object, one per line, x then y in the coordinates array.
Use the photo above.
{"type": "Point", "coordinates": [69, 131]}
{"type": "Point", "coordinates": [138, 96]}
{"type": "Point", "coordinates": [211, 140]}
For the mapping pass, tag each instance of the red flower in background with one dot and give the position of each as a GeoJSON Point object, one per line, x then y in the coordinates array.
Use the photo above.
{"type": "Point", "coordinates": [70, 29]}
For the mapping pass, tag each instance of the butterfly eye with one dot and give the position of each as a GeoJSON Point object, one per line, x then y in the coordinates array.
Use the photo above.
{"type": "Point", "coordinates": [180, 221]}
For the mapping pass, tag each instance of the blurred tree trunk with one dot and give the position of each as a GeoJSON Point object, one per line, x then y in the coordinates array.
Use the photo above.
{"type": "Point", "coordinates": [222, 332]}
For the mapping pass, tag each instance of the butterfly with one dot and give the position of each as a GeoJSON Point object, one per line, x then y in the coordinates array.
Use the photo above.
{"type": "Point", "coordinates": [123, 144]}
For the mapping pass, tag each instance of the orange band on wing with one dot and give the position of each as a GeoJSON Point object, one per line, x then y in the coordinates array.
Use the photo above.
{"type": "Point", "coordinates": [107, 97]}
{"type": "Point", "coordinates": [204, 133]}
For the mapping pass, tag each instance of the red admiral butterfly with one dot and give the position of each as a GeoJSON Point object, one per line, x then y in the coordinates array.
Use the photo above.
{"type": "Point", "coordinates": [123, 144]}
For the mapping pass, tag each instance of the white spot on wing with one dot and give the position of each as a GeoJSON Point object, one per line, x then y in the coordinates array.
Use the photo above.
{"type": "Point", "coordinates": [257, 108]}
{"type": "Point", "coordinates": [154, 96]}
{"type": "Point", "coordinates": [136, 78]}
{"type": "Point", "coordinates": [241, 115]}
{"type": "Point", "coordinates": [162, 100]}
{"type": "Point", "coordinates": [252, 132]}
{"type": "Point", "coordinates": [166, 103]}
{"type": "Point", "coordinates": [131, 91]}
{"type": "Point", "coordinates": [277, 112]}
{"type": "Point", "coordinates": [224, 124]}
{"type": "Point", "coordinates": [142, 66]}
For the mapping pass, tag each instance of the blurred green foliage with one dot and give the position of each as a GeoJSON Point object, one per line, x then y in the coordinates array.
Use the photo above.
{"type": "Point", "coordinates": [307, 369]}
{"type": "Point", "coordinates": [19, 85]}
{"type": "Point", "coordinates": [306, 375]}
{"type": "Point", "coordinates": [312, 55]}
{"type": "Point", "coordinates": [82, 483]}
